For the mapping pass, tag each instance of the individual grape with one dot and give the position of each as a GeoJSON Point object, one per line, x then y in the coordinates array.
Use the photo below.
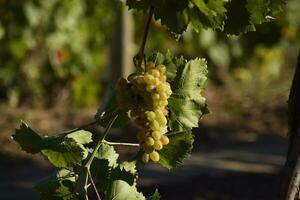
{"type": "Point", "coordinates": [158, 145]}
{"type": "Point", "coordinates": [156, 135]}
{"type": "Point", "coordinates": [163, 78]}
{"type": "Point", "coordinates": [150, 115]}
{"type": "Point", "coordinates": [145, 158]}
{"type": "Point", "coordinates": [149, 141]}
{"type": "Point", "coordinates": [154, 156]}
{"type": "Point", "coordinates": [164, 140]}
{"type": "Point", "coordinates": [155, 73]}
{"type": "Point", "coordinates": [161, 68]}
{"type": "Point", "coordinates": [155, 126]}
{"type": "Point", "coordinates": [160, 117]}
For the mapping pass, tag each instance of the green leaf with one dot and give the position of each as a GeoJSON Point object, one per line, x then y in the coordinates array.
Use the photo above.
{"type": "Point", "coordinates": [108, 152]}
{"type": "Point", "coordinates": [58, 186]}
{"type": "Point", "coordinates": [172, 16]}
{"type": "Point", "coordinates": [121, 190]}
{"type": "Point", "coordinates": [126, 171]}
{"type": "Point", "coordinates": [258, 9]}
{"type": "Point", "coordinates": [154, 196]}
{"type": "Point", "coordinates": [233, 16]}
{"type": "Point", "coordinates": [29, 140]}
{"type": "Point", "coordinates": [63, 151]}
{"type": "Point", "coordinates": [238, 17]}
{"type": "Point", "coordinates": [172, 13]}
{"type": "Point", "coordinates": [177, 150]}
{"type": "Point", "coordinates": [186, 104]}
{"type": "Point", "coordinates": [170, 61]}
{"type": "Point", "coordinates": [100, 171]}
{"type": "Point", "coordinates": [176, 15]}
{"type": "Point", "coordinates": [109, 109]}
{"type": "Point", "coordinates": [66, 154]}
{"type": "Point", "coordinates": [244, 15]}
{"type": "Point", "coordinates": [81, 136]}
{"type": "Point", "coordinates": [207, 14]}
{"type": "Point", "coordinates": [105, 169]}
{"type": "Point", "coordinates": [104, 162]}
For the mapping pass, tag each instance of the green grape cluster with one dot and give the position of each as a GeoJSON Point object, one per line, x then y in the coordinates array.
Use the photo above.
{"type": "Point", "coordinates": [146, 96]}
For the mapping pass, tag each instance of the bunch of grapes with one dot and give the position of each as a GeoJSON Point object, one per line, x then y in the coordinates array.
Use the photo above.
{"type": "Point", "coordinates": [146, 96]}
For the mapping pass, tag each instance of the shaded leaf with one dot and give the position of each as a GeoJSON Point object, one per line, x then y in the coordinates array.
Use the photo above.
{"type": "Point", "coordinates": [233, 17]}
{"type": "Point", "coordinates": [170, 61]}
{"type": "Point", "coordinates": [29, 140]}
{"type": "Point", "coordinates": [178, 149]}
{"type": "Point", "coordinates": [60, 186]}
{"type": "Point", "coordinates": [100, 171]}
{"type": "Point", "coordinates": [66, 154]}
{"type": "Point", "coordinates": [108, 152]}
{"type": "Point", "coordinates": [126, 171]}
{"type": "Point", "coordinates": [186, 104]}
{"type": "Point", "coordinates": [105, 169]}
{"type": "Point", "coordinates": [154, 196]}
{"type": "Point", "coordinates": [63, 151]}
{"type": "Point", "coordinates": [121, 190]}
{"type": "Point", "coordinates": [207, 14]}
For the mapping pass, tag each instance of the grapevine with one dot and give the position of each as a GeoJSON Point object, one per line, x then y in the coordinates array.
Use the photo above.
{"type": "Point", "coordinates": [163, 98]}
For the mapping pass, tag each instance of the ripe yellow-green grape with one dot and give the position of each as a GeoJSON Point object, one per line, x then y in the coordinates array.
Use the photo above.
{"type": "Point", "coordinates": [154, 156]}
{"type": "Point", "coordinates": [164, 140]}
{"type": "Point", "coordinates": [146, 96]}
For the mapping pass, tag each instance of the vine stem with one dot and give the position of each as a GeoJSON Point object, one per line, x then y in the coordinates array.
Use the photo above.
{"type": "Point", "coordinates": [79, 128]}
{"type": "Point", "coordinates": [85, 187]}
{"type": "Point", "coordinates": [93, 184]}
{"type": "Point", "coordinates": [122, 144]}
{"type": "Point", "coordinates": [89, 162]}
{"type": "Point", "coordinates": [140, 55]}
{"type": "Point", "coordinates": [86, 167]}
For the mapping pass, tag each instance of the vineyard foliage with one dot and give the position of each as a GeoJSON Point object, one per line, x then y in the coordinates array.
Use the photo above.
{"type": "Point", "coordinates": [85, 163]}
{"type": "Point", "coordinates": [40, 62]}
{"type": "Point", "coordinates": [232, 17]}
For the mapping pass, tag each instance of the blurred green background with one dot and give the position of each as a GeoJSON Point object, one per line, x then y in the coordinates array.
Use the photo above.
{"type": "Point", "coordinates": [57, 58]}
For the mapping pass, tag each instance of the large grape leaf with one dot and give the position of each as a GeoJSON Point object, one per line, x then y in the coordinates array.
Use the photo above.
{"type": "Point", "coordinates": [100, 171]}
{"type": "Point", "coordinates": [121, 190]}
{"type": "Point", "coordinates": [244, 15]}
{"type": "Point", "coordinates": [207, 14]}
{"type": "Point", "coordinates": [65, 154]}
{"type": "Point", "coordinates": [106, 170]}
{"type": "Point", "coordinates": [28, 139]}
{"type": "Point", "coordinates": [63, 151]}
{"type": "Point", "coordinates": [186, 104]}
{"type": "Point", "coordinates": [107, 152]}
{"type": "Point", "coordinates": [104, 161]}
{"type": "Point", "coordinates": [60, 186]}
{"type": "Point", "coordinates": [178, 149]}
{"type": "Point", "coordinates": [176, 15]}
{"type": "Point", "coordinates": [233, 16]}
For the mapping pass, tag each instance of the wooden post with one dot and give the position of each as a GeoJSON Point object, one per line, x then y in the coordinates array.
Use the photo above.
{"type": "Point", "coordinates": [291, 172]}
{"type": "Point", "coordinates": [121, 62]}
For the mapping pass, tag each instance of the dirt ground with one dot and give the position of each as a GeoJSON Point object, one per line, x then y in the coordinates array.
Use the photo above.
{"type": "Point", "coordinates": [238, 152]}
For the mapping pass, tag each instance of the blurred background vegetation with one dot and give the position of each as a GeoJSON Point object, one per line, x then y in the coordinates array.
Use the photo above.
{"type": "Point", "coordinates": [58, 57]}
{"type": "Point", "coordinates": [55, 52]}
